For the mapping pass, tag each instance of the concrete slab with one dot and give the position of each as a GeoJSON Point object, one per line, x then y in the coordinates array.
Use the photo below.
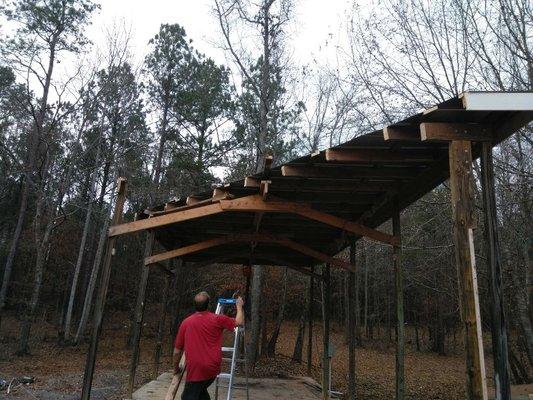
{"type": "Point", "coordinates": [260, 389]}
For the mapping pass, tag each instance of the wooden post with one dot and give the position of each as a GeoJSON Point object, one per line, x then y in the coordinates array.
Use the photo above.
{"type": "Point", "coordinates": [161, 327]}
{"type": "Point", "coordinates": [139, 313]}
{"type": "Point", "coordinates": [310, 317]}
{"type": "Point", "coordinates": [463, 224]}
{"type": "Point", "coordinates": [400, 328]}
{"type": "Point", "coordinates": [326, 309]}
{"type": "Point", "coordinates": [102, 294]}
{"type": "Point", "coordinates": [351, 326]}
{"type": "Point", "coordinates": [502, 384]}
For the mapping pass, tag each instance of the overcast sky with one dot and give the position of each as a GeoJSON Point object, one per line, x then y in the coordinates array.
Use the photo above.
{"type": "Point", "coordinates": [315, 22]}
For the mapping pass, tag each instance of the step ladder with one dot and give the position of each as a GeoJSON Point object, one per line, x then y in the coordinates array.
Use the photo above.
{"type": "Point", "coordinates": [232, 354]}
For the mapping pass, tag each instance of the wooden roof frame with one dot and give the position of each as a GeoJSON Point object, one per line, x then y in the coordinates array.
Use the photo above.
{"type": "Point", "coordinates": [346, 190]}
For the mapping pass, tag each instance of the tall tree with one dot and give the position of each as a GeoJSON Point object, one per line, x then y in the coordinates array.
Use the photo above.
{"type": "Point", "coordinates": [45, 30]}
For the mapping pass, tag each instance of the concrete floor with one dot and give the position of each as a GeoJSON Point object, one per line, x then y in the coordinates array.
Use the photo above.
{"type": "Point", "coordinates": [260, 389]}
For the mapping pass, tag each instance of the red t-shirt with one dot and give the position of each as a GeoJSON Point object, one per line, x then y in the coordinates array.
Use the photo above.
{"type": "Point", "coordinates": [201, 336]}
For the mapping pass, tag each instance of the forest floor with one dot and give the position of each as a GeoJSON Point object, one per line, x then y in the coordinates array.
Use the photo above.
{"type": "Point", "coordinates": [58, 370]}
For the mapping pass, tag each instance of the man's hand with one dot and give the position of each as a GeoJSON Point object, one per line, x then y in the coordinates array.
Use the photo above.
{"type": "Point", "coordinates": [240, 302]}
{"type": "Point", "coordinates": [239, 318]}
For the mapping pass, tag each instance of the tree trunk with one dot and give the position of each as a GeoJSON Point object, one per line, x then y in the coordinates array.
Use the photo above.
{"type": "Point", "coordinates": [79, 261]}
{"type": "Point", "coordinates": [299, 345]}
{"type": "Point", "coordinates": [29, 168]}
{"type": "Point", "coordinates": [365, 267]}
{"type": "Point", "coordinates": [271, 349]}
{"type": "Point", "coordinates": [43, 249]}
{"type": "Point", "coordinates": [255, 325]}
{"type": "Point", "coordinates": [93, 279]}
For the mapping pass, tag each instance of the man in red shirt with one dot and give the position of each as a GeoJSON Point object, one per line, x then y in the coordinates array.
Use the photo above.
{"type": "Point", "coordinates": [200, 336]}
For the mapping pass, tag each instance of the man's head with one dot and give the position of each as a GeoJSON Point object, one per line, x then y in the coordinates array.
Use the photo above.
{"type": "Point", "coordinates": [201, 301]}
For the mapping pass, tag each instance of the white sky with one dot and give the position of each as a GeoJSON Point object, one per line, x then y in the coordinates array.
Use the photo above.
{"type": "Point", "coordinates": [315, 22]}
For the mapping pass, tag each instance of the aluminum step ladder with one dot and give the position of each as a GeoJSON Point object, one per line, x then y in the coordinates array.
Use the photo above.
{"type": "Point", "coordinates": [232, 354]}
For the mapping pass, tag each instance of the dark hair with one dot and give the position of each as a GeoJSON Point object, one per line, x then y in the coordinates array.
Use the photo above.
{"type": "Point", "coordinates": [201, 301]}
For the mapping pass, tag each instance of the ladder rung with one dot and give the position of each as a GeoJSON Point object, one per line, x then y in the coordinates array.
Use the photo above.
{"type": "Point", "coordinates": [233, 387]}
{"type": "Point", "coordinates": [239, 360]}
{"type": "Point", "coordinates": [224, 375]}
{"type": "Point", "coordinates": [232, 349]}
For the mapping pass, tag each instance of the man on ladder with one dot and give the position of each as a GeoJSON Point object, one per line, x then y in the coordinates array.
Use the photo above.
{"type": "Point", "coordinates": [200, 337]}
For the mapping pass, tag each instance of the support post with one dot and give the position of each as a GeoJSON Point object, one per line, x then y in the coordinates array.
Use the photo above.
{"type": "Point", "coordinates": [351, 326]}
{"type": "Point", "coordinates": [310, 317]}
{"type": "Point", "coordinates": [400, 328]}
{"type": "Point", "coordinates": [502, 384]}
{"type": "Point", "coordinates": [102, 294]}
{"type": "Point", "coordinates": [161, 327]}
{"type": "Point", "coordinates": [139, 313]}
{"type": "Point", "coordinates": [326, 309]}
{"type": "Point", "coordinates": [463, 224]}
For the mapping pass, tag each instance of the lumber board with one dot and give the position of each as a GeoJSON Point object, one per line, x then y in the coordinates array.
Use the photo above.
{"type": "Point", "coordinates": [403, 133]}
{"type": "Point", "coordinates": [455, 131]}
{"type": "Point", "coordinates": [463, 224]}
{"type": "Point", "coordinates": [340, 172]}
{"type": "Point", "coordinates": [167, 219]}
{"type": "Point", "coordinates": [380, 156]}
{"type": "Point", "coordinates": [260, 238]}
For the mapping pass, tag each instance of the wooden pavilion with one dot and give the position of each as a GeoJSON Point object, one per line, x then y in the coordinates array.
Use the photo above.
{"type": "Point", "coordinates": [306, 211]}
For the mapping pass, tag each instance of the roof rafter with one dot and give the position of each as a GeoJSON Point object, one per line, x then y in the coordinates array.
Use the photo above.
{"type": "Point", "coordinates": [259, 238]}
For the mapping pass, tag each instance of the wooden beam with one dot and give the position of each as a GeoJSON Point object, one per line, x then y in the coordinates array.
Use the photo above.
{"type": "Point", "coordinates": [400, 325]}
{"type": "Point", "coordinates": [166, 219]}
{"type": "Point", "coordinates": [380, 156]}
{"type": "Point", "coordinates": [193, 200]}
{"type": "Point", "coordinates": [310, 319]}
{"type": "Point", "coordinates": [350, 172]}
{"type": "Point", "coordinates": [260, 238]}
{"type": "Point", "coordinates": [463, 224]}
{"type": "Point", "coordinates": [455, 131]}
{"type": "Point", "coordinates": [138, 315]}
{"type": "Point", "coordinates": [102, 294]}
{"type": "Point", "coordinates": [255, 204]}
{"type": "Point", "coordinates": [326, 345]}
{"type": "Point", "coordinates": [263, 189]}
{"type": "Point", "coordinates": [500, 350]}
{"type": "Point", "coordinates": [352, 328]}
{"type": "Point", "coordinates": [250, 182]}
{"type": "Point", "coordinates": [403, 133]}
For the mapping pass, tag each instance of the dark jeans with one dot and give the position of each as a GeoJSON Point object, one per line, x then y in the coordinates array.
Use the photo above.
{"type": "Point", "coordinates": [196, 390]}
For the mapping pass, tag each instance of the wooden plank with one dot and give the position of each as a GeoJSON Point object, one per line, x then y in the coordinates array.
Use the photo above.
{"type": "Point", "coordinates": [255, 204]}
{"type": "Point", "coordinates": [250, 182]}
{"type": "Point", "coordinates": [350, 172]}
{"type": "Point", "coordinates": [260, 238]}
{"type": "Point", "coordinates": [138, 315]}
{"type": "Point", "coordinates": [403, 133]}
{"type": "Point", "coordinates": [463, 224]}
{"type": "Point", "coordinates": [326, 311]}
{"type": "Point", "coordinates": [102, 294]}
{"type": "Point", "coordinates": [400, 324]}
{"type": "Point", "coordinates": [500, 350]}
{"type": "Point", "coordinates": [193, 200]}
{"type": "Point", "coordinates": [497, 101]}
{"type": "Point", "coordinates": [455, 131]}
{"type": "Point", "coordinates": [381, 156]}
{"type": "Point", "coordinates": [310, 318]}
{"type": "Point", "coordinates": [166, 219]}
{"type": "Point", "coordinates": [351, 325]}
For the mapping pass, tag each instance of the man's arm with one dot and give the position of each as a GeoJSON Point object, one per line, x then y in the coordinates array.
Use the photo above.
{"type": "Point", "coordinates": [239, 318]}
{"type": "Point", "coordinates": [176, 358]}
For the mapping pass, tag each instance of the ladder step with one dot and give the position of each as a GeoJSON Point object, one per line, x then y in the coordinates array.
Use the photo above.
{"type": "Point", "coordinates": [228, 349]}
{"type": "Point", "coordinates": [224, 375]}
{"type": "Point", "coordinates": [239, 360]}
{"type": "Point", "coordinates": [233, 387]}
